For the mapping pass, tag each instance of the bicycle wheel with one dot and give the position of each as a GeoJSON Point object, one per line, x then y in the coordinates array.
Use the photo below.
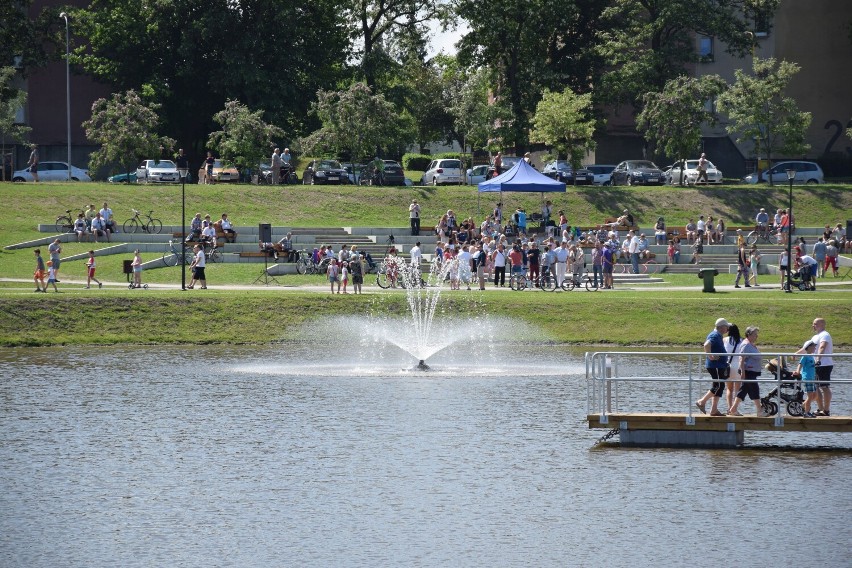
{"type": "Point", "coordinates": [651, 262]}
{"type": "Point", "coordinates": [64, 225]}
{"type": "Point", "coordinates": [590, 285]}
{"type": "Point", "coordinates": [547, 282]}
{"type": "Point", "coordinates": [154, 226]}
{"type": "Point", "coordinates": [568, 284]}
{"type": "Point", "coordinates": [751, 238]}
{"type": "Point", "coordinates": [170, 258]}
{"type": "Point", "coordinates": [514, 283]}
{"type": "Point", "coordinates": [382, 279]}
{"type": "Point", "coordinates": [131, 225]}
{"type": "Point", "coordinates": [215, 255]}
{"type": "Point", "coordinates": [302, 266]}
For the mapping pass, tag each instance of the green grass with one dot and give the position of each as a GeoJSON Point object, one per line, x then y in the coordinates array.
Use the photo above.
{"type": "Point", "coordinates": [258, 316]}
{"type": "Point", "coordinates": [166, 316]}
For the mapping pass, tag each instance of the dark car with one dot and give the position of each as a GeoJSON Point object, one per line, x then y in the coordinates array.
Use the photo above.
{"type": "Point", "coordinates": [393, 174]}
{"type": "Point", "coordinates": [323, 172]}
{"type": "Point", "coordinates": [637, 172]}
{"type": "Point", "coordinates": [561, 170]}
{"type": "Point", "coordinates": [509, 162]}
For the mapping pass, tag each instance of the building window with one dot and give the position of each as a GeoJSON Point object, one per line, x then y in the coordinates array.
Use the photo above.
{"type": "Point", "coordinates": [705, 49]}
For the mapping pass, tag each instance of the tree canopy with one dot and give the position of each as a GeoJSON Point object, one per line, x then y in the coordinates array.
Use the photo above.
{"type": "Point", "coordinates": [759, 110]}
{"type": "Point", "coordinates": [563, 121]}
{"type": "Point", "coordinates": [126, 128]}
{"type": "Point", "coordinates": [244, 139]}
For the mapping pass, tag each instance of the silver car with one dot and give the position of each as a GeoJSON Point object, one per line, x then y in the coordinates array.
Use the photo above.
{"type": "Point", "coordinates": [806, 172]}
{"type": "Point", "coordinates": [690, 173]}
{"type": "Point", "coordinates": [157, 171]}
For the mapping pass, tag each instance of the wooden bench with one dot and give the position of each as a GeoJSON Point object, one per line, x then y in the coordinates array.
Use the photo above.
{"type": "Point", "coordinates": [258, 254]}
{"type": "Point", "coordinates": [610, 220]}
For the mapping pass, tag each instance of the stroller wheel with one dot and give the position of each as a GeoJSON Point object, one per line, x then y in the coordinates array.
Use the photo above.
{"type": "Point", "coordinates": [773, 409]}
{"type": "Point", "coordinates": [794, 408]}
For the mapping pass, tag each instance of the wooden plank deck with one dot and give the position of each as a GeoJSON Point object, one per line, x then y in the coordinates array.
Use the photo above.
{"type": "Point", "coordinates": [664, 421]}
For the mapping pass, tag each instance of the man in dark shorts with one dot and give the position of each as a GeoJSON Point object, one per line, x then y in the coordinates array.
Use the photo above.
{"type": "Point", "coordinates": [716, 365]}
{"type": "Point", "coordinates": [824, 365]}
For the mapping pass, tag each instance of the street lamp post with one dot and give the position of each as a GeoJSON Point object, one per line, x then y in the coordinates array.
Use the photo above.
{"type": "Point", "coordinates": [183, 171]}
{"type": "Point", "coordinates": [791, 175]}
{"type": "Point", "coordinates": [64, 15]}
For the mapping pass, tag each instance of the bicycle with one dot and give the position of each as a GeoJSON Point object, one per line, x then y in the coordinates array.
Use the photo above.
{"type": "Point", "coordinates": [172, 256]}
{"type": "Point", "coordinates": [575, 281]}
{"type": "Point", "coordinates": [151, 226]}
{"type": "Point", "coordinates": [762, 233]}
{"type": "Point", "coordinates": [545, 282]}
{"type": "Point", "coordinates": [627, 268]}
{"type": "Point", "coordinates": [211, 251]}
{"type": "Point", "coordinates": [64, 223]}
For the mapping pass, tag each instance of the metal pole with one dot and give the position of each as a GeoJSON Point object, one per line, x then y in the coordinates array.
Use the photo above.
{"type": "Point", "coordinates": [183, 231]}
{"type": "Point", "coordinates": [790, 231]}
{"type": "Point", "coordinates": [64, 15]}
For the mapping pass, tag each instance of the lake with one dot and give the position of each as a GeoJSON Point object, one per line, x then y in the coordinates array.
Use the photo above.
{"type": "Point", "coordinates": [322, 454]}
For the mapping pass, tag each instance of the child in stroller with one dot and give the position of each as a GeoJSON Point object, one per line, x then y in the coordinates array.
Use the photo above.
{"type": "Point", "coordinates": [790, 391]}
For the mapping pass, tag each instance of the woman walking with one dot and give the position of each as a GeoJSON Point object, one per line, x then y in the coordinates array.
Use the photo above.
{"type": "Point", "coordinates": [749, 371]}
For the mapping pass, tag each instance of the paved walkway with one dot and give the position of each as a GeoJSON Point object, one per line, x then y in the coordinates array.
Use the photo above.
{"type": "Point", "coordinates": [73, 285]}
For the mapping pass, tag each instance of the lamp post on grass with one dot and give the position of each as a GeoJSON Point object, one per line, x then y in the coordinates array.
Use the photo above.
{"type": "Point", "coordinates": [791, 175]}
{"type": "Point", "coordinates": [182, 171]}
{"type": "Point", "coordinates": [64, 15]}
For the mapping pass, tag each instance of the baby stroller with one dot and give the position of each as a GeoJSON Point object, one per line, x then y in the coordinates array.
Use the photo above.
{"type": "Point", "coordinates": [791, 391]}
{"type": "Point", "coordinates": [800, 280]}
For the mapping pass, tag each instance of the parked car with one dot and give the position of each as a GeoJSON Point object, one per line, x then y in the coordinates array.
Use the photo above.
{"type": "Point", "coordinates": [52, 171]}
{"type": "Point", "coordinates": [601, 173]}
{"type": "Point", "coordinates": [806, 172]}
{"type": "Point", "coordinates": [445, 171]}
{"type": "Point", "coordinates": [393, 174]}
{"type": "Point", "coordinates": [157, 171]}
{"type": "Point", "coordinates": [561, 170]}
{"type": "Point", "coordinates": [477, 174]}
{"type": "Point", "coordinates": [354, 171]}
{"type": "Point", "coordinates": [123, 178]}
{"type": "Point", "coordinates": [637, 172]}
{"type": "Point", "coordinates": [690, 173]}
{"type": "Point", "coordinates": [221, 173]}
{"type": "Point", "coordinates": [325, 172]}
{"type": "Point", "coordinates": [509, 162]}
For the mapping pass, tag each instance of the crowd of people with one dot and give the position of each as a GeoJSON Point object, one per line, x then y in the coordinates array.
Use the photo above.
{"type": "Point", "coordinates": [734, 364]}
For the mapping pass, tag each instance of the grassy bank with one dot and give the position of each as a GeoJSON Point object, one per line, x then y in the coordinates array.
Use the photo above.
{"type": "Point", "coordinates": [624, 318]}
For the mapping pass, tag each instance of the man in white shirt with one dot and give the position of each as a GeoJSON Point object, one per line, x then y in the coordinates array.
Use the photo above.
{"type": "Point", "coordinates": [700, 228]}
{"type": "Point", "coordinates": [106, 215]}
{"type": "Point", "coordinates": [633, 250]}
{"type": "Point", "coordinates": [561, 262]}
{"type": "Point", "coordinates": [416, 254]}
{"type": "Point", "coordinates": [414, 218]}
{"type": "Point", "coordinates": [824, 365]}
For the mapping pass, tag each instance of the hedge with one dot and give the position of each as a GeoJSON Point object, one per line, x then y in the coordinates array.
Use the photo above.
{"type": "Point", "coordinates": [419, 162]}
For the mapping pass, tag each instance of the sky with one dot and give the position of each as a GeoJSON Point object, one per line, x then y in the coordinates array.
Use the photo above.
{"type": "Point", "coordinates": [443, 41]}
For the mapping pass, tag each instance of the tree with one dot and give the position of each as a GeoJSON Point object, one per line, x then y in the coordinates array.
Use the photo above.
{"type": "Point", "coordinates": [529, 47]}
{"type": "Point", "coordinates": [758, 109]}
{"type": "Point", "coordinates": [125, 127]}
{"type": "Point", "coordinates": [192, 56]}
{"type": "Point", "coordinates": [562, 121]}
{"type": "Point", "coordinates": [648, 42]}
{"type": "Point", "coordinates": [11, 100]}
{"type": "Point", "coordinates": [245, 138]}
{"type": "Point", "coordinates": [378, 21]}
{"type": "Point", "coordinates": [672, 119]}
{"type": "Point", "coordinates": [357, 123]}
{"type": "Point", "coordinates": [24, 41]}
{"type": "Point", "coordinates": [474, 117]}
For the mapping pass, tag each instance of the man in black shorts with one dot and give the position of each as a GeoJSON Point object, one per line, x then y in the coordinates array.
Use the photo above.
{"type": "Point", "coordinates": [824, 365]}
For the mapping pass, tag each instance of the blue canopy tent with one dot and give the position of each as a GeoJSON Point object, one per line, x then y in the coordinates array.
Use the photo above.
{"type": "Point", "coordinates": [522, 177]}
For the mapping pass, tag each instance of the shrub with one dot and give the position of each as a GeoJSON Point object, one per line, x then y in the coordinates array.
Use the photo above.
{"type": "Point", "coordinates": [416, 162]}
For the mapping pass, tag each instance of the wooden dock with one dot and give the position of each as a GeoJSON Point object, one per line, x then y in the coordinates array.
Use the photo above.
{"type": "Point", "coordinates": [673, 430]}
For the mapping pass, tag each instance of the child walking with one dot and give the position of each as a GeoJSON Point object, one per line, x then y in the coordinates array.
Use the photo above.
{"type": "Point", "coordinates": [344, 276]}
{"type": "Point", "coordinates": [333, 275]}
{"type": "Point", "coordinates": [51, 276]}
{"type": "Point", "coordinates": [90, 271]}
{"type": "Point", "coordinates": [38, 275]}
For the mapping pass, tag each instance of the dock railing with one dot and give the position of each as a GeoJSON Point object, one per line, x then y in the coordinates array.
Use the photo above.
{"type": "Point", "coordinates": [607, 371]}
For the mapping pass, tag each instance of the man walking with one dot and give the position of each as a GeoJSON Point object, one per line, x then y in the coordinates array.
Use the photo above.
{"type": "Point", "coordinates": [716, 364]}
{"type": "Point", "coordinates": [32, 163]}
